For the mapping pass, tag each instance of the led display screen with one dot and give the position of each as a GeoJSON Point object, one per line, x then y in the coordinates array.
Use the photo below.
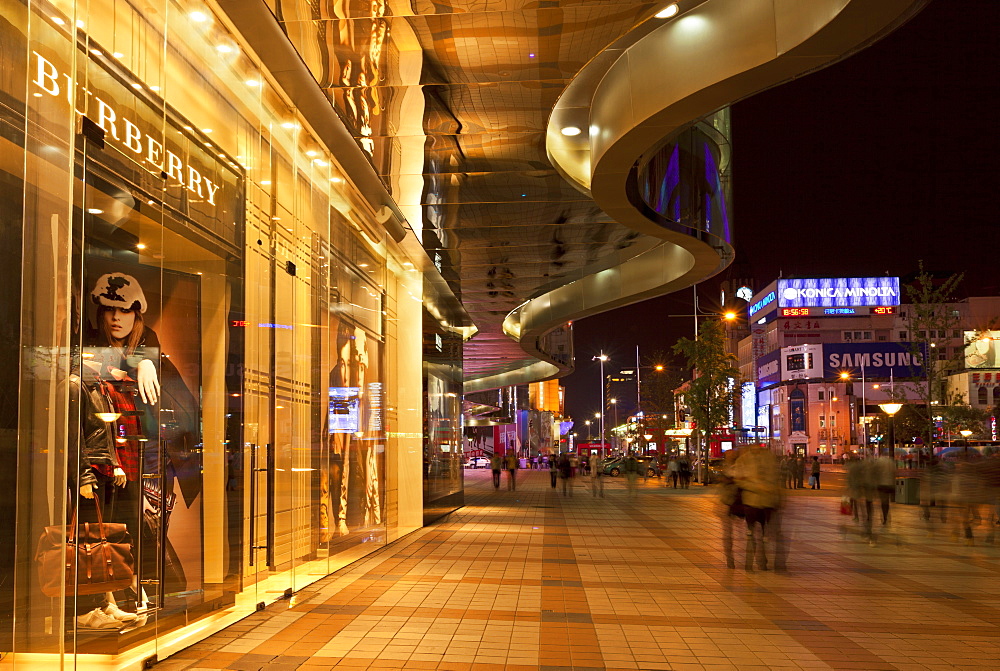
{"type": "Point", "coordinates": [834, 292]}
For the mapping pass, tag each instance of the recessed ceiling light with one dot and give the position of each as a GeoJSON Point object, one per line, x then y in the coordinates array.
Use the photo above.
{"type": "Point", "coordinates": [96, 52]}
{"type": "Point", "coordinates": [289, 124]}
{"type": "Point", "coordinates": [80, 23]}
{"type": "Point", "coordinates": [118, 54]}
{"type": "Point", "coordinates": [362, 265]}
{"type": "Point", "coordinates": [199, 17]}
{"type": "Point", "coordinates": [59, 22]}
{"type": "Point", "coordinates": [140, 246]}
{"type": "Point", "coordinates": [570, 131]}
{"type": "Point", "coordinates": [94, 210]}
{"type": "Point", "coordinates": [336, 180]}
{"type": "Point", "coordinates": [310, 153]}
{"type": "Point", "coordinates": [137, 86]}
{"type": "Point", "coordinates": [265, 181]}
{"type": "Point", "coordinates": [206, 130]}
{"type": "Point", "coordinates": [224, 49]}
{"type": "Point", "coordinates": [668, 11]}
{"type": "Point", "coordinates": [154, 88]}
{"type": "Point", "coordinates": [252, 82]}
{"type": "Point", "coordinates": [531, 55]}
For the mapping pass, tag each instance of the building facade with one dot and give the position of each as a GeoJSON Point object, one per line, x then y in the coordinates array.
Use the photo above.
{"type": "Point", "coordinates": [211, 334]}
{"type": "Point", "coordinates": [824, 353]}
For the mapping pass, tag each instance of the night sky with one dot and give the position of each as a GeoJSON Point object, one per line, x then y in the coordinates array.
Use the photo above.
{"type": "Point", "coordinates": [863, 168]}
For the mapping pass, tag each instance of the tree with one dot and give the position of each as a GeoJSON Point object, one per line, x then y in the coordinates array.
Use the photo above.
{"type": "Point", "coordinates": [715, 380]}
{"type": "Point", "coordinates": [932, 325]}
{"type": "Point", "coordinates": [658, 390]}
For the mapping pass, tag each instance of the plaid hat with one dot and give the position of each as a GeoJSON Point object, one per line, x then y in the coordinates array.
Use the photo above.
{"type": "Point", "coordinates": [118, 290]}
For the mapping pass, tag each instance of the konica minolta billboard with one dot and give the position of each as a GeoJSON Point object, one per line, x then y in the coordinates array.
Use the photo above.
{"type": "Point", "coordinates": [835, 292]}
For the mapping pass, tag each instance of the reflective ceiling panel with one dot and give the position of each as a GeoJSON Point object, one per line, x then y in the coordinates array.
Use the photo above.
{"type": "Point", "coordinates": [450, 101]}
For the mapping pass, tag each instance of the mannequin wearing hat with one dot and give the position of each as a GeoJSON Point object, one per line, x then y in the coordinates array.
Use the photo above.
{"type": "Point", "coordinates": [121, 352]}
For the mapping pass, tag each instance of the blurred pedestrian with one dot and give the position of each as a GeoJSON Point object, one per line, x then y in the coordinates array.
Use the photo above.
{"type": "Point", "coordinates": [756, 474]}
{"type": "Point", "coordinates": [496, 465]}
{"type": "Point", "coordinates": [787, 471]}
{"type": "Point", "coordinates": [731, 506]}
{"type": "Point", "coordinates": [885, 483]}
{"type": "Point", "coordinates": [553, 469]}
{"type": "Point", "coordinates": [597, 476]}
{"type": "Point", "coordinates": [684, 470]}
{"type": "Point", "coordinates": [673, 468]}
{"type": "Point", "coordinates": [800, 471]}
{"type": "Point", "coordinates": [511, 463]}
{"type": "Point", "coordinates": [630, 468]}
{"type": "Point", "coordinates": [814, 474]}
{"type": "Point", "coordinates": [566, 474]}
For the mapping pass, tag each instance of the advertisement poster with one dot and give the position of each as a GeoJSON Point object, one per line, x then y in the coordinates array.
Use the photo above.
{"type": "Point", "coordinates": [983, 349]}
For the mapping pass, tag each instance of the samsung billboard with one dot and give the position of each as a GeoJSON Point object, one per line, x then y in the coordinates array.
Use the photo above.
{"type": "Point", "coordinates": [836, 292]}
{"type": "Point", "coordinates": [882, 360]}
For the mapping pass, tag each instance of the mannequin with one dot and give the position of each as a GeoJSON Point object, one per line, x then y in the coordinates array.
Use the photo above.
{"type": "Point", "coordinates": [100, 473]}
{"type": "Point", "coordinates": [121, 351]}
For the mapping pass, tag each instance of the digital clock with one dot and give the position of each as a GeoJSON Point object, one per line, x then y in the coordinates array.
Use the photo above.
{"type": "Point", "coordinates": [884, 310]}
{"type": "Point", "coordinates": [794, 312]}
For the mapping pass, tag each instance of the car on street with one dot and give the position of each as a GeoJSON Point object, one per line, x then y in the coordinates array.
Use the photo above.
{"type": "Point", "coordinates": [616, 467]}
{"type": "Point", "coordinates": [477, 462]}
{"type": "Point", "coordinates": [714, 469]}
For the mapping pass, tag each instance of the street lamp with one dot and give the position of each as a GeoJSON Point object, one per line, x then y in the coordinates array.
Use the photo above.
{"type": "Point", "coordinates": [614, 402]}
{"type": "Point", "coordinates": [891, 409]}
{"type": "Point", "coordinates": [965, 434]}
{"type": "Point", "coordinates": [648, 437]}
{"type": "Point", "coordinates": [602, 357]}
{"type": "Point", "coordinates": [590, 436]}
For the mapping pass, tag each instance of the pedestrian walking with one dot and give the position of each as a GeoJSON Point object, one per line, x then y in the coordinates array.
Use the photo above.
{"type": "Point", "coordinates": [597, 476]}
{"type": "Point", "coordinates": [684, 469]}
{"type": "Point", "coordinates": [814, 474]}
{"type": "Point", "coordinates": [731, 506]}
{"type": "Point", "coordinates": [756, 474]}
{"type": "Point", "coordinates": [511, 463]}
{"type": "Point", "coordinates": [553, 469]}
{"type": "Point", "coordinates": [800, 472]}
{"type": "Point", "coordinates": [631, 470]}
{"type": "Point", "coordinates": [673, 468]}
{"type": "Point", "coordinates": [566, 474]}
{"type": "Point", "coordinates": [496, 465]}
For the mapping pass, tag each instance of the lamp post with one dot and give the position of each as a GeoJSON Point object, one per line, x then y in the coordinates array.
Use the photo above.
{"type": "Point", "coordinates": [590, 435]}
{"type": "Point", "coordinates": [965, 434]}
{"type": "Point", "coordinates": [891, 409]}
{"type": "Point", "coordinates": [614, 402]}
{"type": "Point", "coordinates": [602, 357]}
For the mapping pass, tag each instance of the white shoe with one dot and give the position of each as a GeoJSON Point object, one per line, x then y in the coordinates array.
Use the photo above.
{"type": "Point", "coordinates": [114, 611]}
{"type": "Point", "coordinates": [97, 619]}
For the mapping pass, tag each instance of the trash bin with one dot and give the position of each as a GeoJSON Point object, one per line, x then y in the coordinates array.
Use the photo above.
{"type": "Point", "coordinates": [908, 491]}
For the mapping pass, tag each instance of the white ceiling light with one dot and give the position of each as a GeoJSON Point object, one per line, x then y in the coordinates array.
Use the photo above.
{"type": "Point", "coordinates": [668, 11]}
{"type": "Point", "coordinates": [199, 17]}
{"type": "Point", "coordinates": [570, 131]}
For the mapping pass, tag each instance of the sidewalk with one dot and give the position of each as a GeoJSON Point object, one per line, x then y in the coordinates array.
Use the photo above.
{"type": "Point", "coordinates": [530, 580]}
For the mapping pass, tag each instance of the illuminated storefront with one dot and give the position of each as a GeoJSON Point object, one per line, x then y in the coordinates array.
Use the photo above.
{"type": "Point", "coordinates": [208, 330]}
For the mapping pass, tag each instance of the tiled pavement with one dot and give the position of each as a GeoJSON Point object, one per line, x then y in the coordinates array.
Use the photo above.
{"type": "Point", "coordinates": [532, 580]}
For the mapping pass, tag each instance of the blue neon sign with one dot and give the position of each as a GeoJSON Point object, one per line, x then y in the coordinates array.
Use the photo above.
{"type": "Point", "coordinates": [763, 303]}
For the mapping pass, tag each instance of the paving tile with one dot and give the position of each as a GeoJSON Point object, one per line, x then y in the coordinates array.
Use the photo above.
{"type": "Point", "coordinates": [542, 582]}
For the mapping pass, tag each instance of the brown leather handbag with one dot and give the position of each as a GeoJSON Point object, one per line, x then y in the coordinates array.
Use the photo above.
{"type": "Point", "coordinates": [93, 557]}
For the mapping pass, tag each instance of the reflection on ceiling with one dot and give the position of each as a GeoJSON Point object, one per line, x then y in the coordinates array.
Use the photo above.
{"type": "Point", "coordinates": [450, 99]}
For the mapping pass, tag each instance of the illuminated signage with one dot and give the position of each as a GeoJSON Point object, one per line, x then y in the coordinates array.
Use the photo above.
{"type": "Point", "coordinates": [884, 310]}
{"type": "Point", "coordinates": [838, 292]}
{"type": "Point", "coordinates": [897, 359]}
{"type": "Point", "coordinates": [763, 303]}
{"type": "Point", "coordinates": [794, 312]}
{"type": "Point", "coordinates": [840, 311]}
